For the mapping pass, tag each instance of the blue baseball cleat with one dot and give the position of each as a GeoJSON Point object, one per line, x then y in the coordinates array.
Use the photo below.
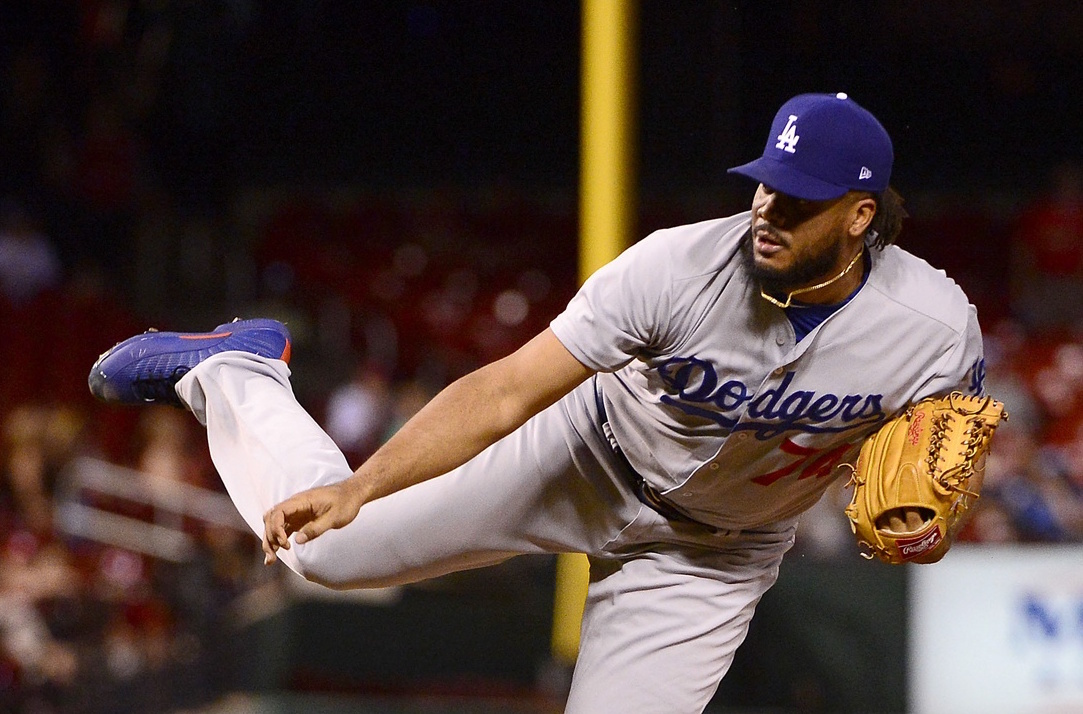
{"type": "Point", "coordinates": [145, 368]}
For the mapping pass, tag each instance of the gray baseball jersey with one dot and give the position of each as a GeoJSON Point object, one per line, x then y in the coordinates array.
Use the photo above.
{"type": "Point", "coordinates": [717, 405]}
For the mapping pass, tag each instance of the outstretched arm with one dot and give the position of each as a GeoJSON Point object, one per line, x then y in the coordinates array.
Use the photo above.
{"type": "Point", "coordinates": [459, 423]}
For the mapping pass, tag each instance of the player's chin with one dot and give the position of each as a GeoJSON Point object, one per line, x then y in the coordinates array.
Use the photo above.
{"type": "Point", "coordinates": [769, 273]}
{"type": "Point", "coordinates": [773, 273]}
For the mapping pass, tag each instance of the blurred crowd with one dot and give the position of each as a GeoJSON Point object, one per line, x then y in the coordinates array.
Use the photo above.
{"type": "Point", "coordinates": [389, 298]}
{"type": "Point", "coordinates": [117, 213]}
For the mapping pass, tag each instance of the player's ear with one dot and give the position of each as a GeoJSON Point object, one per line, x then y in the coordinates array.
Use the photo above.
{"type": "Point", "coordinates": [861, 214]}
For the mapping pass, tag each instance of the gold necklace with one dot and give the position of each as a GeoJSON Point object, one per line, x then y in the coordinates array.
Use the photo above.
{"type": "Point", "coordinates": [799, 291]}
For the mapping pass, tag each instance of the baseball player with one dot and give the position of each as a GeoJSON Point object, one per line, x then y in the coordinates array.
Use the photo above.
{"type": "Point", "coordinates": [693, 399]}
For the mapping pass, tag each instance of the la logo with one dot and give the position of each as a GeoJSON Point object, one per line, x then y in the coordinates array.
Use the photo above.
{"type": "Point", "coordinates": [787, 140]}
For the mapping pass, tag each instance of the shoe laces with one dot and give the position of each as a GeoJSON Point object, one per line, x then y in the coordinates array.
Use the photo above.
{"type": "Point", "coordinates": [160, 388]}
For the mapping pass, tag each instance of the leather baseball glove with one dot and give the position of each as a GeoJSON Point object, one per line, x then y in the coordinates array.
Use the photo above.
{"type": "Point", "coordinates": [927, 462]}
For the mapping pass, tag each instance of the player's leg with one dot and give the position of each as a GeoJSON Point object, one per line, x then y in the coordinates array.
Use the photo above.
{"type": "Point", "coordinates": [661, 628]}
{"type": "Point", "coordinates": [264, 444]}
{"type": "Point", "coordinates": [524, 494]}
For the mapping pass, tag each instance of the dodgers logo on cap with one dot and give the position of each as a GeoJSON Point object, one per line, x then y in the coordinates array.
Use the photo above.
{"type": "Point", "coordinates": [821, 146]}
{"type": "Point", "coordinates": [787, 140]}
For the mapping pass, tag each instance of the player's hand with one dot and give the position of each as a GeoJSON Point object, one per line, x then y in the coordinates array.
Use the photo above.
{"type": "Point", "coordinates": [905, 520]}
{"type": "Point", "coordinates": [308, 514]}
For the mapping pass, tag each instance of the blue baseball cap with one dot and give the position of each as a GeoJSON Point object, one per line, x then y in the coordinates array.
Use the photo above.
{"type": "Point", "coordinates": [820, 147]}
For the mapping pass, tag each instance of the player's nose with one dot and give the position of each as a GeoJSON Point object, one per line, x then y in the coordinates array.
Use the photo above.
{"type": "Point", "coordinates": [768, 209]}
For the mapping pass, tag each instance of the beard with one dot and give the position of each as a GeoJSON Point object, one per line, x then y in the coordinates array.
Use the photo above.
{"type": "Point", "coordinates": [806, 269]}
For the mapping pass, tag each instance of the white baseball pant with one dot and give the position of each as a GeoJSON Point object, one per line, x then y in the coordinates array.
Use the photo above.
{"type": "Point", "coordinates": [668, 603]}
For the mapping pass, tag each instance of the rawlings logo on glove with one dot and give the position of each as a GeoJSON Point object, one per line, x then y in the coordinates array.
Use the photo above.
{"type": "Point", "coordinates": [921, 463]}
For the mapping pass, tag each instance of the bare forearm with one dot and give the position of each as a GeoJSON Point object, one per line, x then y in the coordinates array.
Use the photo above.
{"type": "Point", "coordinates": [458, 424]}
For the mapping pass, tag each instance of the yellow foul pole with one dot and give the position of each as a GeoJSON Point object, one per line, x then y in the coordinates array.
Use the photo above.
{"type": "Point", "coordinates": [607, 132]}
{"type": "Point", "coordinates": [606, 216]}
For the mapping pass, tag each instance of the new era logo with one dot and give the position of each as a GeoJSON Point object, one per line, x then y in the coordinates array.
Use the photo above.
{"type": "Point", "coordinates": [787, 140]}
{"type": "Point", "coordinates": [865, 173]}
